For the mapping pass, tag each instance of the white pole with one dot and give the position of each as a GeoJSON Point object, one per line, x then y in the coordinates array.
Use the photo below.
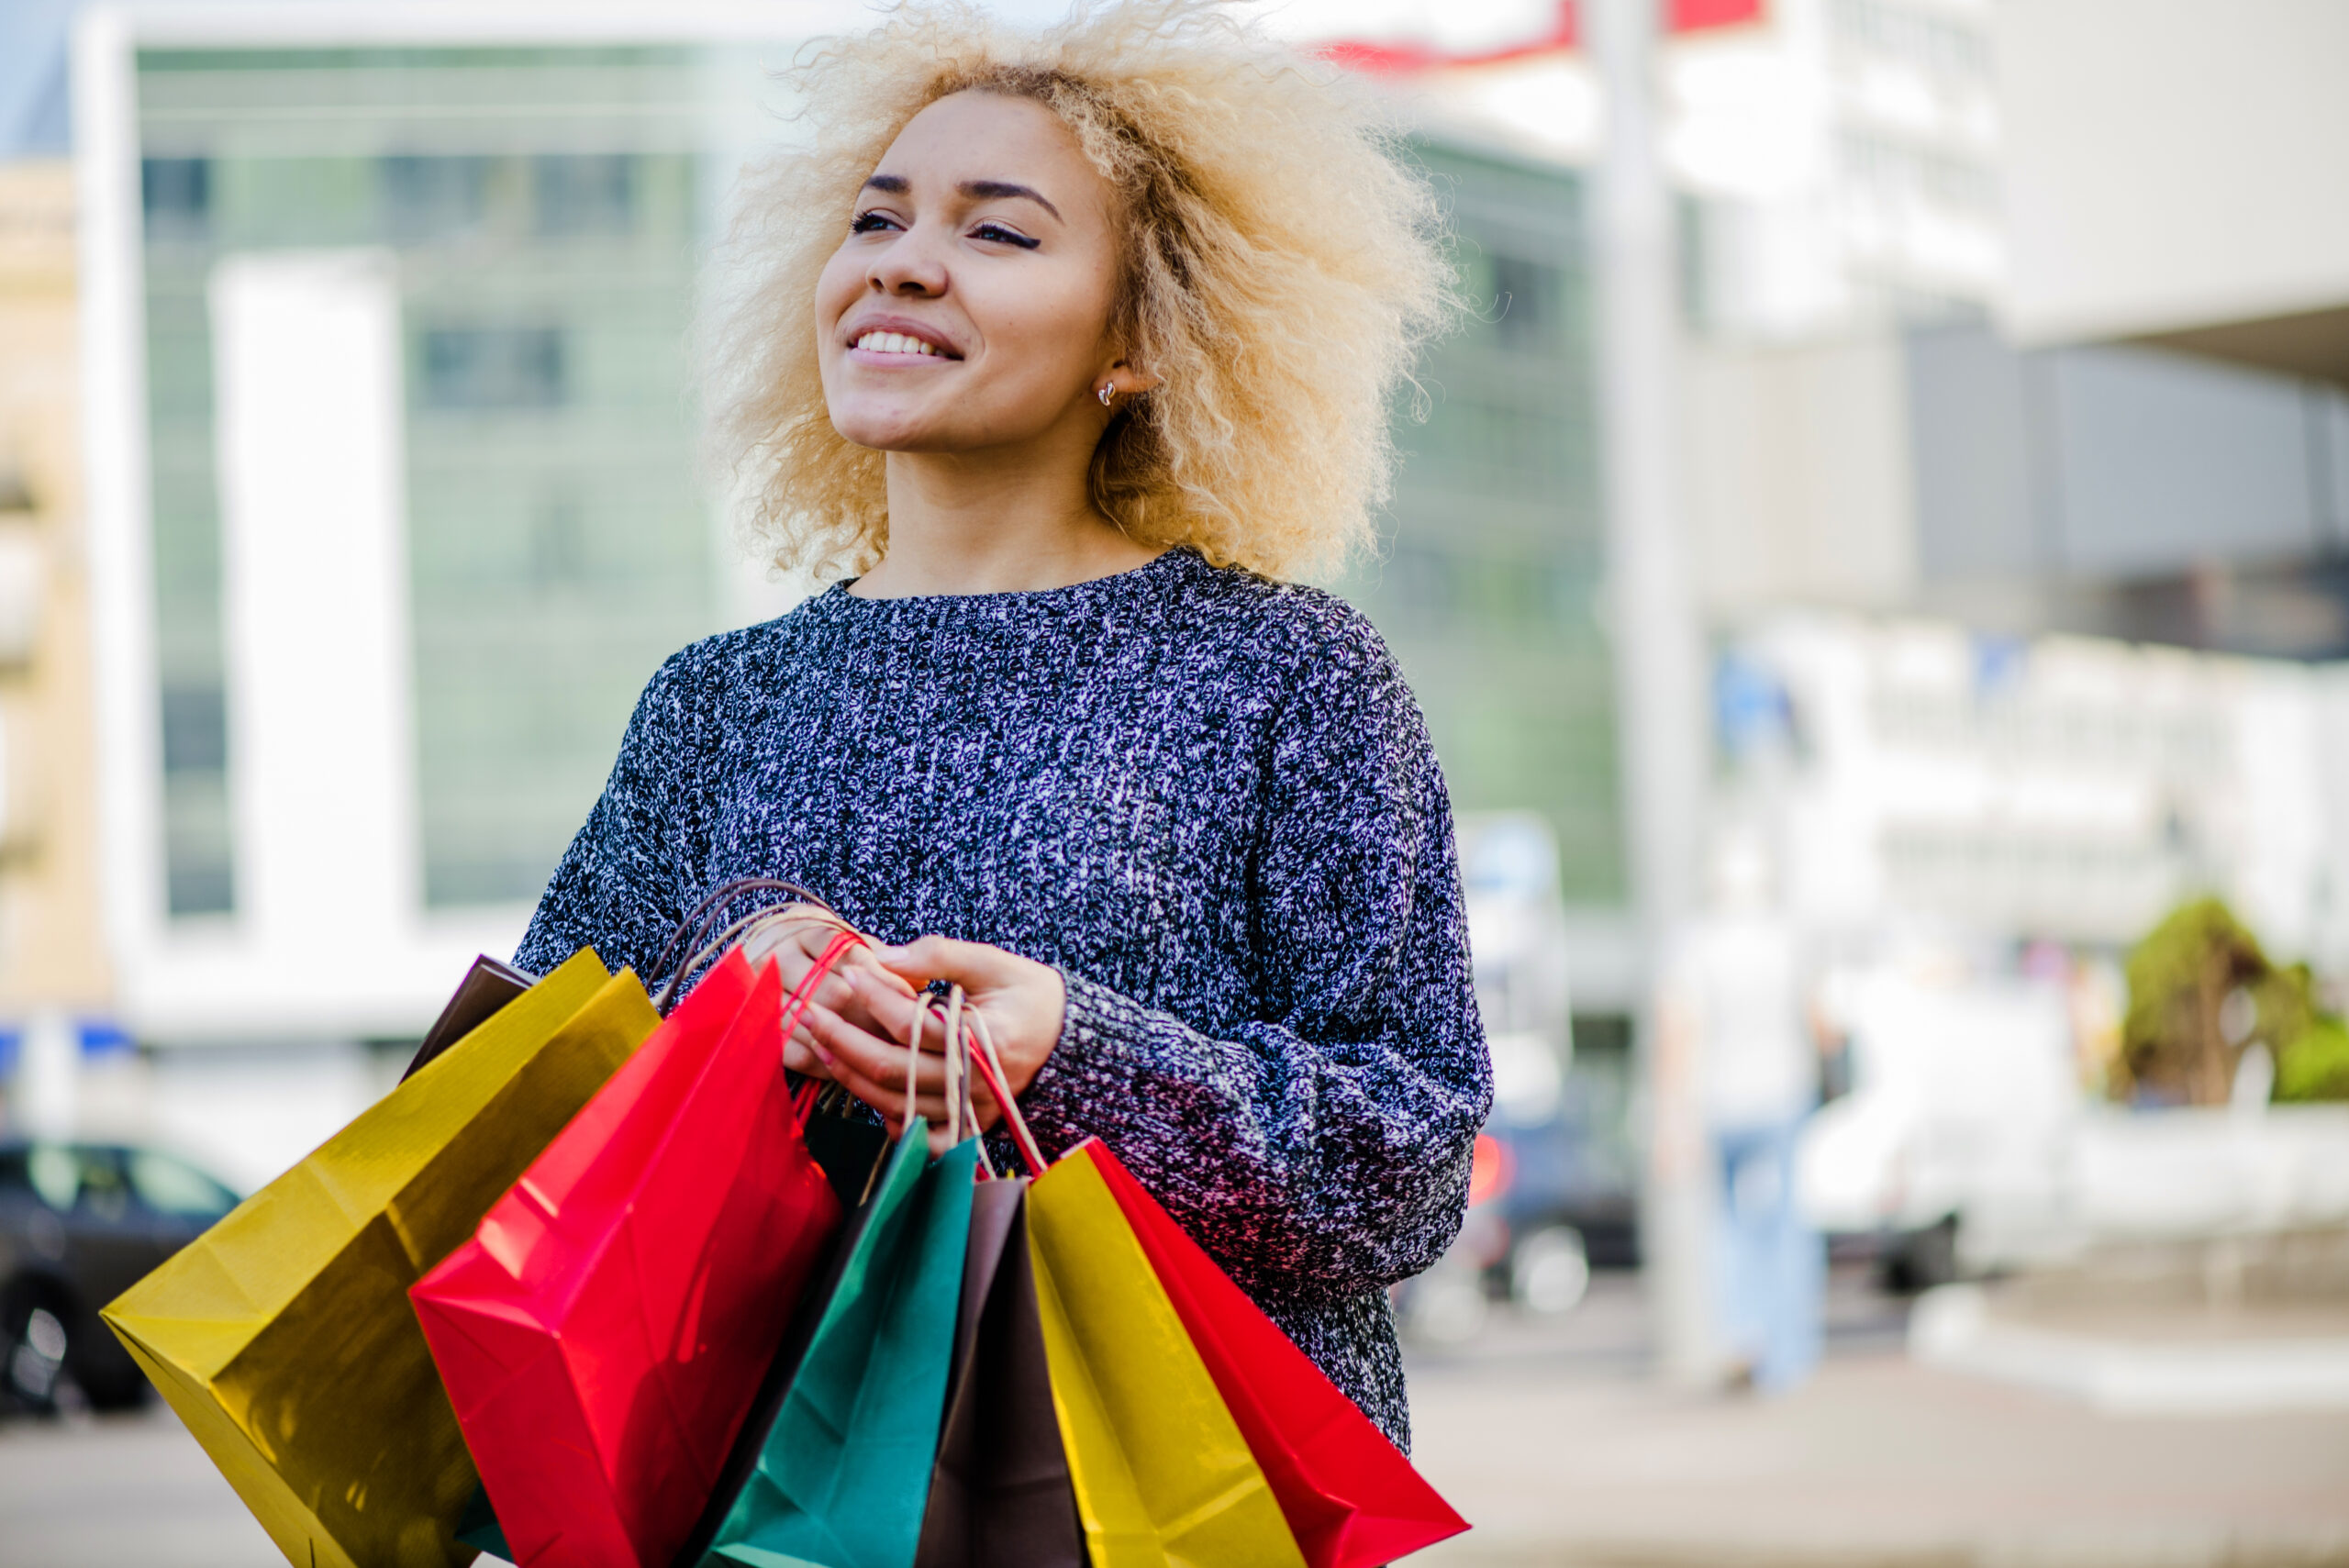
{"type": "Point", "coordinates": [49, 1071]}
{"type": "Point", "coordinates": [1658, 644]}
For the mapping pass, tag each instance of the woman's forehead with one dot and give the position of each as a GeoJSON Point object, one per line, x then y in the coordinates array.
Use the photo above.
{"type": "Point", "coordinates": [979, 136]}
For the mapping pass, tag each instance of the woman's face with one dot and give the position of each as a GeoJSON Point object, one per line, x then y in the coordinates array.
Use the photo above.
{"type": "Point", "coordinates": [968, 307]}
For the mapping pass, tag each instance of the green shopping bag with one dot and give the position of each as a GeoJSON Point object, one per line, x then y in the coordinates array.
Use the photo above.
{"type": "Point", "coordinates": [843, 1473]}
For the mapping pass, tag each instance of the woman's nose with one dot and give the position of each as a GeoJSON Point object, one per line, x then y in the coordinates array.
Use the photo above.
{"type": "Point", "coordinates": [911, 266]}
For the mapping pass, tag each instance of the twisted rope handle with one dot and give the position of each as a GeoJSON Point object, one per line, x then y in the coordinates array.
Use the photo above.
{"type": "Point", "coordinates": [991, 1067]}
{"type": "Point", "coordinates": [742, 930]}
{"type": "Point", "coordinates": [962, 1025]}
{"type": "Point", "coordinates": [693, 930]}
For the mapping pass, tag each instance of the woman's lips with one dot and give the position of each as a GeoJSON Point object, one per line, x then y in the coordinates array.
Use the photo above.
{"type": "Point", "coordinates": [896, 343]}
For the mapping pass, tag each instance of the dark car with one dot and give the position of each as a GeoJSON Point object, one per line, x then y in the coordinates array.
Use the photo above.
{"type": "Point", "coordinates": [80, 1223]}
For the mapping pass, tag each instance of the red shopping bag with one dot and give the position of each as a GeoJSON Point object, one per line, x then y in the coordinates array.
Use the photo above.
{"type": "Point", "coordinates": [603, 1334]}
{"type": "Point", "coordinates": [1350, 1496]}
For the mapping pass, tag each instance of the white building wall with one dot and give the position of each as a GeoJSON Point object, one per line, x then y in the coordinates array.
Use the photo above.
{"type": "Point", "coordinates": [2067, 788]}
{"type": "Point", "coordinates": [2174, 162]}
{"type": "Point", "coordinates": [1800, 486]}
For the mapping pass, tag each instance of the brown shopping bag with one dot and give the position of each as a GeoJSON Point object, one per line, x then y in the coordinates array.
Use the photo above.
{"type": "Point", "coordinates": [1162, 1474]}
{"type": "Point", "coordinates": [283, 1335]}
{"type": "Point", "coordinates": [999, 1493]}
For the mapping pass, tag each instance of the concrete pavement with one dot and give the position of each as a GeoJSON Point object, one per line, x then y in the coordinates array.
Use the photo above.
{"type": "Point", "coordinates": [1550, 1437]}
{"type": "Point", "coordinates": [1552, 1442]}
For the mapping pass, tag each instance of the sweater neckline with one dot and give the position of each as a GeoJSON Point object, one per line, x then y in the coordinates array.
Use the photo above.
{"type": "Point", "coordinates": [838, 603]}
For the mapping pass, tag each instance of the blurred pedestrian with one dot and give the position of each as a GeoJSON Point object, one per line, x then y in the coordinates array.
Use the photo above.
{"type": "Point", "coordinates": [1737, 985]}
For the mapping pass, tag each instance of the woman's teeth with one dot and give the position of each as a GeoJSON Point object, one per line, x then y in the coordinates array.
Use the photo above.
{"type": "Point", "coordinates": [893, 343]}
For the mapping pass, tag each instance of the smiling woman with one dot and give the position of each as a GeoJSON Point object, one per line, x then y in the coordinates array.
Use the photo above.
{"type": "Point", "coordinates": [1271, 269]}
{"type": "Point", "coordinates": [1070, 345]}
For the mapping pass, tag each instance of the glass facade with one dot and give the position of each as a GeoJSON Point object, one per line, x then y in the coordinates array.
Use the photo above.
{"type": "Point", "coordinates": [1489, 587]}
{"type": "Point", "coordinates": [546, 209]}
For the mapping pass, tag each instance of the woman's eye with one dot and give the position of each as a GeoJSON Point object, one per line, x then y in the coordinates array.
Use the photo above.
{"type": "Point", "coordinates": [866, 222]}
{"type": "Point", "coordinates": [1001, 235]}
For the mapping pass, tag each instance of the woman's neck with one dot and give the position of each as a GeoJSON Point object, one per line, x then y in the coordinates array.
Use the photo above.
{"type": "Point", "coordinates": [959, 524]}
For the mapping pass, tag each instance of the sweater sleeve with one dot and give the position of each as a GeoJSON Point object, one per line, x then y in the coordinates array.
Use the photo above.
{"type": "Point", "coordinates": [1322, 1148]}
{"type": "Point", "coordinates": [619, 886]}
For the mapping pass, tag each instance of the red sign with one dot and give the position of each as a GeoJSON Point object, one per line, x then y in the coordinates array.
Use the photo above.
{"type": "Point", "coordinates": [1697, 16]}
{"type": "Point", "coordinates": [1402, 56]}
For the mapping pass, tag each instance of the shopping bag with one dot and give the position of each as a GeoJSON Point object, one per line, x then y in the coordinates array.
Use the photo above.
{"type": "Point", "coordinates": [1352, 1498]}
{"type": "Point", "coordinates": [282, 1336]}
{"type": "Point", "coordinates": [999, 1494]}
{"type": "Point", "coordinates": [603, 1332]}
{"type": "Point", "coordinates": [487, 987]}
{"type": "Point", "coordinates": [843, 1473]}
{"type": "Point", "coordinates": [1163, 1475]}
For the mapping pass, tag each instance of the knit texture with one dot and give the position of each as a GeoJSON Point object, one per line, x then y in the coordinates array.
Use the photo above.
{"type": "Point", "coordinates": [1208, 800]}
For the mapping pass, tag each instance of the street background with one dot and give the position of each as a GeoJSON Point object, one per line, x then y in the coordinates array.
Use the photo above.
{"type": "Point", "coordinates": [1875, 562]}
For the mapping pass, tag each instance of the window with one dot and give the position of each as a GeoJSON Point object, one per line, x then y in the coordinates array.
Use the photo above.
{"type": "Point", "coordinates": [429, 198]}
{"type": "Point", "coordinates": [1898, 175]}
{"type": "Point", "coordinates": [176, 197]}
{"type": "Point", "coordinates": [68, 1177]}
{"type": "Point", "coordinates": [174, 1187]}
{"type": "Point", "coordinates": [1526, 300]}
{"type": "Point", "coordinates": [494, 367]}
{"type": "Point", "coordinates": [579, 194]}
{"type": "Point", "coordinates": [1934, 45]}
{"type": "Point", "coordinates": [195, 730]}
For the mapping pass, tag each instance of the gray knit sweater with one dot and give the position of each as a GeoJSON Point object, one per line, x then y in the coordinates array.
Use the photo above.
{"type": "Point", "coordinates": [1207, 799]}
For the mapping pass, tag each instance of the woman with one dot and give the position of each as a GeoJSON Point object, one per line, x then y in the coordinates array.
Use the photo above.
{"type": "Point", "coordinates": [1070, 345]}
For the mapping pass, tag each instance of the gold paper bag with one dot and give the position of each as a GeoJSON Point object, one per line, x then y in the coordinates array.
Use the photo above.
{"type": "Point", "coordinates": [284, 1336]}
{"type": "Point", "coordinates": [1163, 1477]}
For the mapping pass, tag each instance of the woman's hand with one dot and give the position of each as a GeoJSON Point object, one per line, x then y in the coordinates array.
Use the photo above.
{"type": "Point", "coordinates": [795, 944]}
{"type": "Point", "coordinates": [1022, 1000]}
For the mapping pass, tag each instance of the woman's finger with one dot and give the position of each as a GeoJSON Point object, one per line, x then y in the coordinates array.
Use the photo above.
{"type": "Point", "coordinates": [799, 1055]}
{"type": "Point", "coordinates": [891, 1103]}
{"type": "Point", "coordinates": [883, 999]}
{"type": "Point", "coordinates": [845, 1045]}
{"type": "Point", "coordinates": [971, 965]}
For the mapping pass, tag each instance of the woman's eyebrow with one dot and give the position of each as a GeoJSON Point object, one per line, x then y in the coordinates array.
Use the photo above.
{"type": "Point", "coordinates": [986, 190]}
{"type": "Point", "coordinates": [978, 190]}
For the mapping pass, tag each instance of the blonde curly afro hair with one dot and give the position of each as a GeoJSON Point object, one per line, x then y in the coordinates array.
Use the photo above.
{"type": "Point", "coordinates": [1280, 270]}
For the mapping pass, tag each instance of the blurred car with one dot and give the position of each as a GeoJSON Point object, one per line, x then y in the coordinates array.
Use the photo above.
{"type": "Point", "coordinates": [1551, 1194]}
{"type": "Point", "coordinates": [80, 1223]}
{"type": "Point", "coordinates": [1949, 1157]}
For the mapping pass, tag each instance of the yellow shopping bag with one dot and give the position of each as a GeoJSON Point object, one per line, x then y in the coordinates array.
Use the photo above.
{"type": "Point", "coordinates": [283, 1335]}
{"type": "Point", "coordinates": [1164, 1478]}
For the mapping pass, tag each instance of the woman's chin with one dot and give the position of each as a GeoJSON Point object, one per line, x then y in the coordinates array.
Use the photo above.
{"type": "Point", "coordinates": [890, 431]}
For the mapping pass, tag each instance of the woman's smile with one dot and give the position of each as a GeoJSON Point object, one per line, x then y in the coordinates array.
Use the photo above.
{"type": "Point", "coordinates": [893, 340]}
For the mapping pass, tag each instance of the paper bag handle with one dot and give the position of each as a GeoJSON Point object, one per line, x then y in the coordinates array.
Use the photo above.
{"type": "Point", "coordinates": [692, 932]}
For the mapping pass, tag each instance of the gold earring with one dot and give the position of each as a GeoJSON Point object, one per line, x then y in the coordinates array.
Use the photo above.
{"type": "Point", "coordinates": [1108, 392]}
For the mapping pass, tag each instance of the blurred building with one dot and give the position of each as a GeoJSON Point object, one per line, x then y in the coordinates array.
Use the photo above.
{"type": "Point", "coordinates": [54, 973]}
{"type": "Point", "coordinates": [2183, 193]}
{"type": "Point", "coordinates": [1489, 587]}
{"type": "Point", "coordinates": [396, 507]}
{"type": "Point", "coordinates": [1840, 162]}
{"type": "Point", "coordinates": [2179, 204]}
{"type": "Point", "coordinates": [1837, 160]}
{"type": "Point", "coordinates": [2145, 441]}
{"type": "Point", "coordinates": [2064, 789]}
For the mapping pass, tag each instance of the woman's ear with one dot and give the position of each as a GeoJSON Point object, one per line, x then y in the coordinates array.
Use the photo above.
{"type": "Point", "coordinates": [1123, 380]}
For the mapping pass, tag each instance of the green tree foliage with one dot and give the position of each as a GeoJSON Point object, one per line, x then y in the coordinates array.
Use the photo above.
{"type": "Point", "coordinates": [2183, 1035]}
{"type": "Point", "coordinates": [2316, 1066]}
